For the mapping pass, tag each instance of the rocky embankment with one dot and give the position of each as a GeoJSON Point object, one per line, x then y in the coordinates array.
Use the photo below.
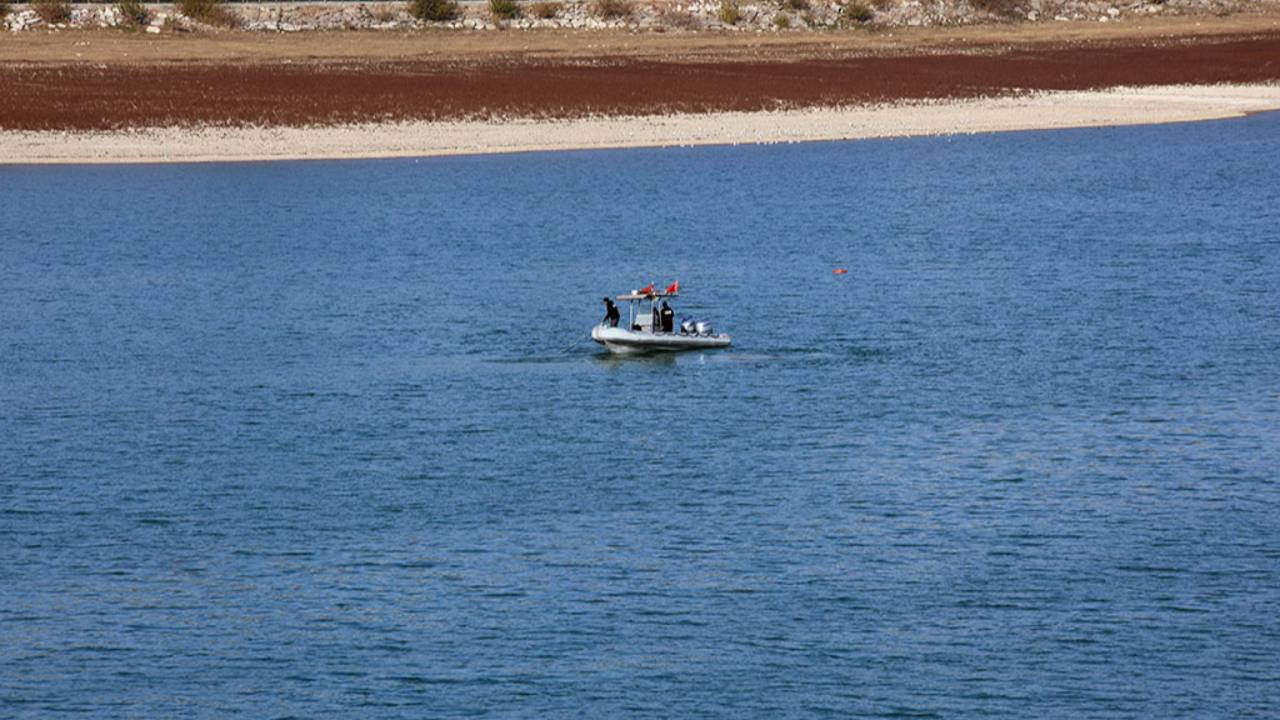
{"type": "Point", "coordinates": [646, 15]}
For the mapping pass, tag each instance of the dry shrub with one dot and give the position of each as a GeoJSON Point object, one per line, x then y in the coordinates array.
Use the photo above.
{"type": "Point", "coordinates": [1008, 9]}
{"type": "Point", "coordinates": [855, 13]}
{"type": "Point", "coordinates": [882, 4]}
{"type": "Point", "coordinates": [545, 10]}
{"type": "Point", "coordinates": [796, 5]}
{"type": "Point", "coordinates": [612, 9]}
{"type": "Point", "coordinates": [209, 12]}
{"type": "Point", "coordinates": [384, 13]}
{"type": "Point", "coordinates": [669, 17]}
{"type": "Point", "coordinates": [782, 22]}
{"type": "Point", "coordinates": [5, 9]}
{"type": "Point", "coordinates": [729, 13]}
{"type": "Point", "coordinates": [434, 10]}
{"type": "Point", "coordinates": [133, 13]}
{"type": "Point", "coordinates": [52, 12]}
{"type": "Point", "coordinates": [504, 9]}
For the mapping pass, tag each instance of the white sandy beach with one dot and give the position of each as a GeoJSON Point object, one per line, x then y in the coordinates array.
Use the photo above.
{"type": "Point", "coordinates": [1050, 110]}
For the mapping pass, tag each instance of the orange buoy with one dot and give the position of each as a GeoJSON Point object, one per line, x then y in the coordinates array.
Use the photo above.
{"type": "Point", "coordinates": [840, 271]}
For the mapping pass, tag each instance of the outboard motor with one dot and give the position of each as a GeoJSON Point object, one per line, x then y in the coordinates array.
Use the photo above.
{"type": "Point", "coordinates": [704, 328]}
{"type": "Point", "coordinates": [687, 327]}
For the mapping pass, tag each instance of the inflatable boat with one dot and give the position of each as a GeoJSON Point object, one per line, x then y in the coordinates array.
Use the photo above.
{"type": "Point", "coordinates": [655, 331]}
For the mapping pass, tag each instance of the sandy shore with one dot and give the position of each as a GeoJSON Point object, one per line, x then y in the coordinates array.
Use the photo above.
{"type": "Point", "coordinates": [1044, 110]}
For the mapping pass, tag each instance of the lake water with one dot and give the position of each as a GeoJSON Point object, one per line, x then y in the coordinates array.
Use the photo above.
{"type": "Point", "coordinates": [329, 439]}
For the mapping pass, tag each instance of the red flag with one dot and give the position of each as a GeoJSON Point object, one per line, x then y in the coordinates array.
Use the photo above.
{"type": "Point", "coordinates": [647, 290]}
{"type": "Point", "coordinates": [673, 288]}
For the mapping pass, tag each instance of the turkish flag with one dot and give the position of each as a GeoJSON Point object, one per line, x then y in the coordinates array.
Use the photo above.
{"type": "Point", "coordinates": [673, 288]}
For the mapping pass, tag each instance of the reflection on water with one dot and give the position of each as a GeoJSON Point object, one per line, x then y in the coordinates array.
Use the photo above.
{"type": "Point", "coordinates": [613, 360]}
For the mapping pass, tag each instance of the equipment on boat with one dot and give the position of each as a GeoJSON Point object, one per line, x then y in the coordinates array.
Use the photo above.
{"type": "Point", "coordinates": [642, 334]}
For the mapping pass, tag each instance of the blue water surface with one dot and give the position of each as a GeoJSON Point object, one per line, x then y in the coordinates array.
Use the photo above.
{"type": "Point", "coordinates": [329, 440]}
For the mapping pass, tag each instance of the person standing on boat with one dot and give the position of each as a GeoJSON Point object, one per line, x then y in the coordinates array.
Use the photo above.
{"type": "Point", "coordinates": [668, 317]}
{"type": "Point", "coordinates": [611, 313]}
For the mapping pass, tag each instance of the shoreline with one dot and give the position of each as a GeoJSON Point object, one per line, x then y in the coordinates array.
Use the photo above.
{"type": "Point", "coordinates": [1036, 111]}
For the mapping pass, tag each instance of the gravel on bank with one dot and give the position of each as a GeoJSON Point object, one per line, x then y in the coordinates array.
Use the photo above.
{"type": "Point", "coordinates": [1042, 110]}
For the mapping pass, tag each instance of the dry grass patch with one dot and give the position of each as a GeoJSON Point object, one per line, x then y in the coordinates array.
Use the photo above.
{"type": "Point", "coordinates": [133, 14]}
{"type": "Point", "coordinates": [855, 13]}
{"type": "Point", "coordinates": [384, 13]}
{"type": "Point", "coordinates": [504, 9]}
{"type": "Point", "coordinates": [545, 10]}
{"type": "Point", "coordinates": [209, 12]}
{"type": "Point", "coordinates": [53, 12]}
{"type": "Point", "coordinates": [729, 12]}
{"type": "Point", "coordinates": [613, 9]}
{"type": "Point", "coordinates": [669, 17]}
{"type": "Point", "coordinates": [434, 10]}
{"type": "Point", "coordinates": [1007, 9]}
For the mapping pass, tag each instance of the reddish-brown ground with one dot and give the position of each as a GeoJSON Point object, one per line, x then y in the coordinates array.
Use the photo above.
{"type": "Point", "coordinates": [100, 93]}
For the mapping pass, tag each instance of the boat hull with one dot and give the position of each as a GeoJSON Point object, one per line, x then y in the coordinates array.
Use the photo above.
{"type": "Point", "coordinates": [630, 342]}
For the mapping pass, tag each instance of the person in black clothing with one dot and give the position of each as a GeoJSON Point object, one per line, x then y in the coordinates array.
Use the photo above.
{"type": "Point", "coordinates": [611, 313]}
{"type": "Point", "coordinates": [668, 317]}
